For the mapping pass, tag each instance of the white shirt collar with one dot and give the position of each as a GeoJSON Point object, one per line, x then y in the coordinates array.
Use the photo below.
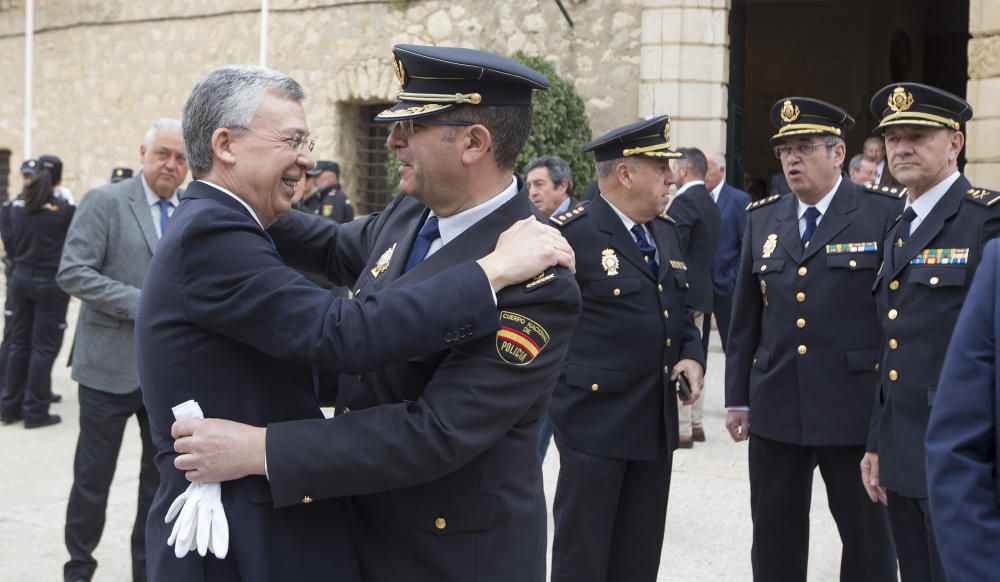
{"type": "Point", "coordinates": [152, 199]}
{"type": "Point", "coordinates": [456, 224]}
{"type": "Point", "coordinates": [926, 202]}
{"type": "Point", "coordinates": [824, 202]}
{"type": "Point", "coordinates": [237, 198]}
{"type": "Point", "coordinates": [688, 186]}
{"type": "Point", "coordinates": [717, 190]}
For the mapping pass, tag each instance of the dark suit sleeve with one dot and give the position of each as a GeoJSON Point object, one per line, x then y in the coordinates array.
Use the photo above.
{"type": "Point", "coordinates": [685, 213]}
{"type": "Point", "coordinates": [472, 401]}
{"type": "Point", "coordinates": [236, 284]}
{"type": "Point", "coordinates": [313, 244]}
{"type": "Point", "coordinates": [744, 333]}
{"type": "Point", "coordinates": [961, 436]}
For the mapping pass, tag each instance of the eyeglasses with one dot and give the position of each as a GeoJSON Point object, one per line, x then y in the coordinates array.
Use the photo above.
{"type": "Point", "coordinates": [297, 142]}
{"type": "Point", "coordinates": [803, 150]}
{"type": "Point", "coordinates": [409, 127]}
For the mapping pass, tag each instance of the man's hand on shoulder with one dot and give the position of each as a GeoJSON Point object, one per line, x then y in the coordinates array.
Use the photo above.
{"type": "Point", "coordinates": [524, 250]}
{"type": "Point", "coordinates": [213, 450]}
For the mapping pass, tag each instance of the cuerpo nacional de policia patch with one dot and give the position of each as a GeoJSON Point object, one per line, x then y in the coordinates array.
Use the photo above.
{"type": "Point", "coordinates": [520, 339]}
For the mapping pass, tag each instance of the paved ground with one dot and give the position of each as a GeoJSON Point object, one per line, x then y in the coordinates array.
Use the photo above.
{"type": "Point", "coordinates": [708, 525]}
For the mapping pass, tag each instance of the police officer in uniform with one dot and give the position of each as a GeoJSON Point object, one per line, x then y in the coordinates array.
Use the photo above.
{"type": "Point", "coordinates": [614, 407]}
{"type": "Point", "coordinates": [932, 252]}
{"type": "Point", "coordinates": [803, 349]}
{"type": "Point", "coordinates": [119, 174]}
{"type": "Point", "coordinates": [34, 229]}
{"type": "Point", "coordinates": [328, 199]}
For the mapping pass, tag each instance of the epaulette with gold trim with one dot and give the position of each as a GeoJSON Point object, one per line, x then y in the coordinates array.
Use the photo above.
{"type": "Point", "coordinates": [890, 191]}
{"type": "Point", "coordinates": [983, 196]}
{"type": "Point", "coordinates": [667, 217]}
{"type": "Point", "coordinates": [570, 215]}
{"type": "Point", "coordinates": [763, 202]}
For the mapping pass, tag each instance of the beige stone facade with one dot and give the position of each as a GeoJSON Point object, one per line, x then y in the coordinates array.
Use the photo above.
{"type": "Point", "coordinates": [104, 69]}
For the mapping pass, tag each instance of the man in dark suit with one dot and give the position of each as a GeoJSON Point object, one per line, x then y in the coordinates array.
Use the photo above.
{"type": "Point", "coordinates": [439, 450]}
{"type": "Point", "coordinates": [732, 203]}
{"type": "Point", "coordinates": [614, 407]}
{"type": "Point", "coordinates": [698, 223]}
{"type": "Point", "coordinates": [936, 246]}
{"type": "Point", "coordinates": [803, 349]}
{"type": "Point", "coordinates": [875, 150]}
{"type": "Point", "coordinates": [226, 323]}
{"type": "Point", "coordinates": [108, 249]}
{"type": "Point", "coordinates": [962, 435]}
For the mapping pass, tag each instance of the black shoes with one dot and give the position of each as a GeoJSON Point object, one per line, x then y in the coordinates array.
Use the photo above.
{"type": "Point", "coordinates": [55, 398]}
{"type": "Point", "coordinates": [48, 421]}
{"type": "Point", "coordinates": [5, 420]}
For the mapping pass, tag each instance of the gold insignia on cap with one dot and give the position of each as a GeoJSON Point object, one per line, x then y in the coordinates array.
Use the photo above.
{"type": "Point", "coordinates": [789, 112]}
{"type": "Point", "coordinates": [900, 100]}
{"type": "Point", "coordinates": [383, 262]}
{"type": "Point", "coordinates": [400, 71]}
{"type": "Point", "coordinates": [118, 172]}
{"type": "Point", "coordinates": [609, 262]}
{"type": "Point", "coordinates": [666, 131]}
{"type": "Point", "coordinates": [769, 245]}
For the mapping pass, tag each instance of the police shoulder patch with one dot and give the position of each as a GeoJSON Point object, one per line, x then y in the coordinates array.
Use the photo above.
{"type": "Point", "coordinates": [520, 339]}
{"type": "Point", "coordinates": [564, 218]}
{"type": "Point", "coordinates": [983, 196]}
{"type": "Point", "coordinates": [763, 202]}
{"type": "Point", "coordinates": [890, 191]}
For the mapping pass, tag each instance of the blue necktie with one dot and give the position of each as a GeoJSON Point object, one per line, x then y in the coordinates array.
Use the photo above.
{"type": "Point", "coordinates": [164, 205]}
{"type": "Point", "coordinates": [811, 215]}
{"type": "Point", "coordinates": [428, 234]}
{"type": "Point", "coordinates": [648, 251]}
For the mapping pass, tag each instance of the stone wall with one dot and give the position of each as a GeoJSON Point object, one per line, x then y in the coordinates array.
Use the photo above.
{"type": "Point", "coordinates": [105, 68]}
{"type": "Point", "coordinates": [983, 145]}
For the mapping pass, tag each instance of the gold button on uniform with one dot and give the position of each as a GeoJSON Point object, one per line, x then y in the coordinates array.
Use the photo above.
{"type": "Point", "coordinates": [666, 314]}
{"type": "Point", "coordinates": [893, 344]}
{"type": "Point", "coordinates": [802, 271]}
{"type": "Point", "coordinates": [893, 375]}
{"type": "Point", "coordinates": [853, 263]}
{"type": "Point", "coordinates": [803, 350]}
{"type": "Point", "coordinates": [935, 280]}
{"type": "Point", "coordinates": [440, 523]}
{"type": "Point", "coordinates": [345, 410]}
{"type": "Point", "coordinates": [763, 268]}
{"type": "Point", "coordinates": [893, 314]}
{"type": "Point", "coordinates": [894, 285]}
{"type": "Point", "coordinates": [667, 342]}
{"type": "Point", "coordinates": [800, 297]}
{"type": "Point", "coordinates": [594, 387]}
{"type": "Point", "coordinates": [800, 322]}
{"type": "Point", "coordinates": [307, 500]}
{"type": "Point", "coordinates": [659, 287]}
{"type": "Point", "coordinates": [666, 370]}
{"type": "Point", "coordinates": [617, 292]}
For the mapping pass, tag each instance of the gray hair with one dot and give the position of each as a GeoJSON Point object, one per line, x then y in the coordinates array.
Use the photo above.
{"type": "Point", "coordinates": [228, 97]}
{"type": "Point", "coordinates": [606, 169]}
{"type": "Point", "coordinates": [855, 164]}
{"type": "Point", "coordinates": [559, 171]}
{"type": "Point", "coordinates": [161, 123]}
{"type": "Point", "coordinates": [719, 159]}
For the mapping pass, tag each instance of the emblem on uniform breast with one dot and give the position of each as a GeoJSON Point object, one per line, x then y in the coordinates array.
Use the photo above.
{"type": "Point", "coordinates": [789, 112]}
{"type": "Point", "coordinates": [769, 245]}
{"type": "Point", "coordinates": [383, 262]}
{"type": "Point", "coordinates": [609, 262]}
{"type": "Point", "coordinates": [900, 100]}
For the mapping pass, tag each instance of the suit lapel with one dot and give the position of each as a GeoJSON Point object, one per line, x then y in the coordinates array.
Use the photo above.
{"type": "Point", "coordinates": [930, 227]}
{"type": "Point", "coordinates": [409, 219]}
{"type": "Point", "coordinates": [140, 209]}
{"type": "Point", "coordinates": [836, 219]}
{"type": "Point", "coordinates": [788, 227]}
{"type": "Point", "coordinates": [621, 239]}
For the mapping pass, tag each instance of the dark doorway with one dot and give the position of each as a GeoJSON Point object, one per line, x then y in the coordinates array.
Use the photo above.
{"type": "Point", "coordinates": [372, 158]}
{"type": "Point", "coordinates": [841, 51]}
{"type": "Point", "coordinates": [4, 175]}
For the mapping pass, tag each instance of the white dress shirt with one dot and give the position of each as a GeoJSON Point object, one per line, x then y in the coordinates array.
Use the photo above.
{"type": "Point", "coordinates": [154, 205]}
{"type": "Point", "coordinates": [688, 186]}
{"type": "Point", "coordinates": [926, 202]}
{"type": "Point", "coordinates": [629, 223]}
{"type": "Point", "coordinates": [452, 226]}
{"type": "Point", "coordinates": [823, 205]}
{"type": "Point", "coordinates": [717, 191]}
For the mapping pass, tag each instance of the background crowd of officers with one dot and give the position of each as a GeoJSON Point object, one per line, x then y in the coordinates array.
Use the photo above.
{"type": "Point", "coordinates": [835, 297]}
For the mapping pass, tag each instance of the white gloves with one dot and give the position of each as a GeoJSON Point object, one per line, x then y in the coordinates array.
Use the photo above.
{"type": "Point", "coordinates": [201, 520]}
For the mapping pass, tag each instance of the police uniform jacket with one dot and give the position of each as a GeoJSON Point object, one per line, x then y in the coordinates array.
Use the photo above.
{"type": "Point", "coordinates": [335, 205]}
{"type": "Point", "coordinates": [615, 397]}
{"type": "Point", "coordinates": [698, 222]}
{"type": "Point", "coordinates": [440, 451]}
{"type": "Point", "coordinates": [805, 337]}
{"type": "Point", "coordinates": [34, 240]}
{"type": "Point", "coordinates": [223, 321]}
{"type": "Point", "coordinates": [919, 299]}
